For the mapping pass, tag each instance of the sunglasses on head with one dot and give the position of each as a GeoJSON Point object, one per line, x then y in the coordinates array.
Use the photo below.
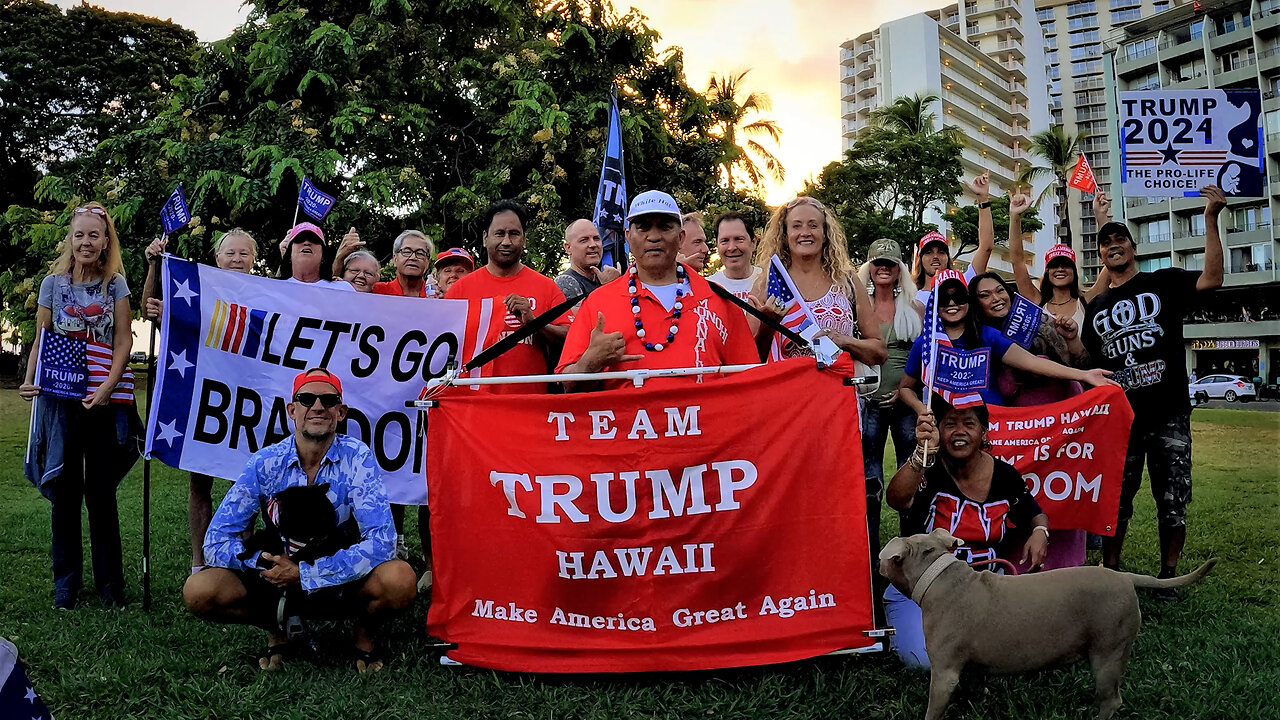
{"type": "Point", "coordinates": [328, 400]}
{"type": "Point", "coordinates": [94, 210]}
{"type": "Point", "coordinates": [806, 200]}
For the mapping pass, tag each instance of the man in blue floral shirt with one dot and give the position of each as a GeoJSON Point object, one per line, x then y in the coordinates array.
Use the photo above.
{"type": "Point", "coordinates": [362, 580]}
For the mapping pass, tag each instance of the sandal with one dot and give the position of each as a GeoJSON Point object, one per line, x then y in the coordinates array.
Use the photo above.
{"type": "Point", "coordinates": [368, 661]}
{"type": "Point", "coordinates": [273, 659]}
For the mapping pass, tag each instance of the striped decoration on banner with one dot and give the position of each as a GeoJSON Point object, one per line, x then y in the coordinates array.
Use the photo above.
{"type": "Point", "coordinates": [98, 357]}
{"type": "Point", "coordinates": [237, 328]}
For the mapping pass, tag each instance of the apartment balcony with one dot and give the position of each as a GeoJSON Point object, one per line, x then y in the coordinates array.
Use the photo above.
{"type": "Point", "coordinates": [974, 114]}
{"type": "Point", "coordinates": [1269, 61]}
{"type": "Point", "coordinates": [1242, 73]}
{"type": "Point", "coordinates": [1174, 47]}
{"type": "Point", "coordinates": [1019, 91]}
{"type": "Point", "coordinates": [978, 163]}
{"type": "Point", "coordinates": [1239, 35]}
{"type": "Point", "coordinates": [1185, 241]}
{"type": "Point", "coordinates": [1013, 47]}
{"type": "Point", "coordinates": [1273, 144]}
{"type": "Point", "coordinates": [1002, 7]}
{"type": "Point", "coordinates": [1090, 83]}
{"type": "Point", "coordinates": [1151, 248]}
{"type": "Point", "coordinates": [1127, 65]}
{"type": "Point", "coordinates": [866, 71]}
{"type": "Point", "coordinates": [848, 110]}
{"type": "Point", "coordinates": [1016, 67]}
{"type": "Point", "coordinates": [868, 88]}
{"type": "Point", "coordinates": [1198, 80]}
{"type": "Point", "coordinates": [1250, 234]}
{"type": "Point", "coordinates": [1009, 7]}
{"type": "Point", "coordinates": [1245, 279]}
{"type": "Point", "coordinates": [1140, 209]}
{"type": "Point", "coordinates": [1267, 19]}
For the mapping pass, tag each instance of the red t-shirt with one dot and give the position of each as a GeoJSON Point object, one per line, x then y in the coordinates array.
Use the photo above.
{"type": "Point", "coordinates": [710, 331]}
{"type": "Point", "coordinates": [527, 358]}
{"type": "Point", "coordinates": [392, 287]}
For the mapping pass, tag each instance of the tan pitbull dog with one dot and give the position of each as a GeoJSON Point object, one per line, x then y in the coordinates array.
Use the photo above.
{"type": "Point", "coordinates": [1009, 624]}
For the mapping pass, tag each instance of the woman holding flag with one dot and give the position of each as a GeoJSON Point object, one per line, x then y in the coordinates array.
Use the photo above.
{"type": "Point", "coordinates": [982, 352]}
{"type": "Point", "coordinates": [808, 240]}
{"type": "Point", "coordinates": [81, 448]}
{"type": "Point", "coordinates": [234, 251]}
{"type": "Point", "coordinates": [1059, 290]}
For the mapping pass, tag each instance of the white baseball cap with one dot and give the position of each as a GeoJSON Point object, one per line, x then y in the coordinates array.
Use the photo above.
{"type": "Point", "coordinates": [653, 202]}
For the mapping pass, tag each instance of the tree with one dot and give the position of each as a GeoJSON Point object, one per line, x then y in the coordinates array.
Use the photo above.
{"type": "Point", "coordinates": [886, 181]}
{"type": "Point", "coordinates": [1060, 152]}
{"type": "Point", "coordinates": [728, 120]}
{"type": "Point", "coordinates": [964, 224]}
{"type": "Point", "coordinates": [414, 113]}
{"type": "Point", "coordinates": [909, 115]}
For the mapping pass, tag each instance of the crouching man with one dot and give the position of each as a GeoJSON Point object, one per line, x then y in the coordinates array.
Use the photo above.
{"type": "Point", "coordinates": [307, 562]}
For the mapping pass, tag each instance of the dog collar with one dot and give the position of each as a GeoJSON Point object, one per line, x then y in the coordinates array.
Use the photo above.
{"type": "Point", "coordinates": [930, 574]}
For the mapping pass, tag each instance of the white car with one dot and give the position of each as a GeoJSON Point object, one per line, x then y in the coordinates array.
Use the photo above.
{"type": "Point", "coordinates": [1228, 387]}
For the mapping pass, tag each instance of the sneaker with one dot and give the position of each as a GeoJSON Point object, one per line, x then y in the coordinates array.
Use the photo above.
{"type": "Point", "coordinates": [114, 597]}
{"type": "Point", "coordinates": [64, 599]}
{"type": "Point", "coordinates": [424, 583]}
{"type": "Point", "coordinates": [402, 549]}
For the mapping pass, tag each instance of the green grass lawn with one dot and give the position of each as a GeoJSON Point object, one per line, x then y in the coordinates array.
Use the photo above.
{"type": "Point", "coordinates": [1214, 654]}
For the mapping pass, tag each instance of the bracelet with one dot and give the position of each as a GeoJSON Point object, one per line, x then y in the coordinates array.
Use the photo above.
{"type": "Point", "coordinates": [1045, 528]}
{"type": "Point", "coordinates": [921, 459]}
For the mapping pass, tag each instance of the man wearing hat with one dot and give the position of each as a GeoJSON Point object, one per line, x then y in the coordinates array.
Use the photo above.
{"type": "Point", "coordinates": [362, 580]}
{"type": "Point", "coordinates": [304, 258]}
{"type": "Point", "coordinates": [582, 244]}
{"type": "Point", "coordinates": [660, 314]}
{"type": "Point", "coordinates": [451, 266]}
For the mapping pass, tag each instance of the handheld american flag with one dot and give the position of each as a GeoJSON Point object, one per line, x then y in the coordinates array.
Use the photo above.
{"type": "Point", "coordinates": [74, 369]}
{"type": "Point", "coordinates": [796, 314]}
{"type": "Point", "coordinates": [939, 341]}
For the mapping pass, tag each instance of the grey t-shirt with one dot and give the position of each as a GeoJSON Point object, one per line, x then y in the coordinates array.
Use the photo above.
{"type": "Point", "coordinates": [81, 310]}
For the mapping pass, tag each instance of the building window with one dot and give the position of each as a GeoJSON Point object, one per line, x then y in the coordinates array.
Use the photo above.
{"type": "Point", "coordinates": [1084, 36]}
{"type": "Point", "coordinates": [1049, 28]}
{"type": "Point", "coordinates": [1156, 231]}
{"type": "Point", "coordinates": [1120, 4]}
{"type": "Point", "coordinates": [1250, 258]}
{"type": "Point", "coordinates": [1140, 48]}
{"type": "Point", "coordinates": [1081, 23]}
{"type": "Point", "coordinates": [1160, 5]}
{"type": "Point", "coordinates": [1084, 52]}
{"type": "Point", "coordinates": [1051, 57]}
{"type": "Point", "coordinates": [1124, 16]}
{"type": "Point", "coordinates": [1044, 14]}
{"type": "Point", "coordinates": [1079, 8]}
{"type": "Point", "coordinates": [1193, 261]}
{"type": "Point", "coordinates": [1156, 263]}
{"type": "Point", "coordinates": [1087, 67]}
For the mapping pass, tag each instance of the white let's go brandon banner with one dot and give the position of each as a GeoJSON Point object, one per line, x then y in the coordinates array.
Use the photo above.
{"type": "Point", "coordinates": [232, 343]}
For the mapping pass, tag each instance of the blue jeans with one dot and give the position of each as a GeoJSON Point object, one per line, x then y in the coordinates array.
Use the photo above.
{"type": "Point", "coordinates": [877, 424]}
{"type": "Point", "coordinates": [91, 436]}
{"type": "Point", "coordinates": [903, 615]}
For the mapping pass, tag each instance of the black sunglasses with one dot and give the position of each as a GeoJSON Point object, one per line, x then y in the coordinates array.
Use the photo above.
{"type": "Point", "coordinates": [953, 299]}
{"type": "Point", "coordinates": [328, 400]}
{"type": "Point", "coordinates": [882, 263]}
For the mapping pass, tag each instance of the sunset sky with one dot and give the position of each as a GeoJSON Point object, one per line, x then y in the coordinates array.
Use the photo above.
{"type": "Point", "coordinates": [791, 47]}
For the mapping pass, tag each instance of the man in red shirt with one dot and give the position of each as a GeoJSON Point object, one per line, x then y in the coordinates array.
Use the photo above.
{"type": "Point", "coordinates": [660, 314]}
{"type": "Point", "coordinates": [520, 294]}
{"type": "Point", "coordinates": [411, 252]}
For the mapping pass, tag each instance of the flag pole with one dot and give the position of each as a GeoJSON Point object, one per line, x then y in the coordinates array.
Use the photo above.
{"type": "Point", "coordinates": [146, 460]}
{"type": "Point", "coordinates": [933, 360]}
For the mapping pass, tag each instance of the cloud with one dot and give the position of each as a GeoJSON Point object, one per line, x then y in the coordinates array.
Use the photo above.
{"type": "Point", "coordinates": [792, 48]}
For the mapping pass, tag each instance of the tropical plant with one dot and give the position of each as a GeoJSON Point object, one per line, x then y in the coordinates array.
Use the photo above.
{"type": "Point", "coordinates": [910, 115]}
{"type": "Point", "coordinates": [1059, 151]}
{"type": "Point", "coordinates": [964, 224]}
{"type": "Point", "coordinates": [736, 125]}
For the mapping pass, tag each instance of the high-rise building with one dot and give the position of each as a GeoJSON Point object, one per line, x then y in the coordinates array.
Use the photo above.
{"type": "Point", "coordinates": [1073, 32]}
{"type": "Point", "coordinates": [1220, 44]}
{"type": "Point", "coordinates": [984, 61]}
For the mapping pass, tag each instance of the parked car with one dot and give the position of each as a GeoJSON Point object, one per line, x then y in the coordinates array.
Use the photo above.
{"type": "Point", "coordinates": [137, 357]}
{"type": "Point", "coordinates": [1228, 387]}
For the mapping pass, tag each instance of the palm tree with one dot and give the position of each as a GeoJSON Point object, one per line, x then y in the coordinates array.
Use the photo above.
{"type": "Point", "coordinates": [910, 115]}
{"type": "Point", "coordinates": [729, 122]}
{"type": "Point", "coordinates": [1060, 152]}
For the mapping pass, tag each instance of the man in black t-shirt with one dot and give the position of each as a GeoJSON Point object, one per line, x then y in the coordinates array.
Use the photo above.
{"type": "Point", "coordinates": [1135, 329]}
{"type": "Point", "coordinates": [585, 274]}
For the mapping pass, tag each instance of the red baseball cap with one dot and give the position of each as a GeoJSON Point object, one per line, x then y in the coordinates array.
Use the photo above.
{"type": "Point", "coordinates": [932, 237]}
{"type": "Point", "coordinates": [1060, 251]}
{"type": "Point", "coordinates": [946, 274]}
{"type": "Point", "coordinates": [453, 255]}
{"type": "Point", "coordinates": [316, 374]}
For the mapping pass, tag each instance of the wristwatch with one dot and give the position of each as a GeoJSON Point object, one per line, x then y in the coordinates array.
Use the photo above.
{"type": "Point", "coordinates": [984, 205]}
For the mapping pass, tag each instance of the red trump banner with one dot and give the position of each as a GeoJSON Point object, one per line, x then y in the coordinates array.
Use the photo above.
{"type": "Point", "coordinates": [710, 525]}
{"type": "Point", "coordinates": [1071, 453]}
{"type": "Point", "coordinates": [1082, 177]}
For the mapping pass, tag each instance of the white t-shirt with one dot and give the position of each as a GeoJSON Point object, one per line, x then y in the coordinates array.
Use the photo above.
{"type": "Point", "coordinates": [331, 284]}
{"type": "Point", "coordinates": [923, 295]}
{"type": "Point", "coordinates": [666, 294]}
{"type": "Point", "coordinates": [740, 288]}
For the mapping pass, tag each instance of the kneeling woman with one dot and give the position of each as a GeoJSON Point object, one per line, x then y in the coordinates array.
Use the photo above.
{"type": "Point", "coordinates": [952, 482]}
{"type": "Point", "coordinates": [965, 333]}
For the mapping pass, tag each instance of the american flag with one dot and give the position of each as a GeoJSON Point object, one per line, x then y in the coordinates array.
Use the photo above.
{"type": "Point", "coordinates": [795, 314]}
{"type": "Point", "coordinates": [62, 352]}
{"type": "Point", "coordinates": [937, 339]}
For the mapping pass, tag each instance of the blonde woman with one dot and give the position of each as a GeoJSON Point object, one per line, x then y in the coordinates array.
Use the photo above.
{"type": "Point", "coordinates": [810, 243]}
{"type": "Point", "coordinates": [82, 449]}
{"type": "Point", "coordinates": [897, 313]}
{"type": "Point", "coordinates": [235, 251]}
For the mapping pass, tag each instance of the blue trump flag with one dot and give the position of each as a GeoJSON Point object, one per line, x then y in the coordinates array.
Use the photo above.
{"type": "Point", "coordinates": [611, 197]}
{"type": "Point", "coordinates": [1023, 321]}
{"type": "Point", "coordinates": [314, 202]}
{"type": "Point", "coordinates": [62, 368]}
{"type": "Point", "coordinates": [175, 214]}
